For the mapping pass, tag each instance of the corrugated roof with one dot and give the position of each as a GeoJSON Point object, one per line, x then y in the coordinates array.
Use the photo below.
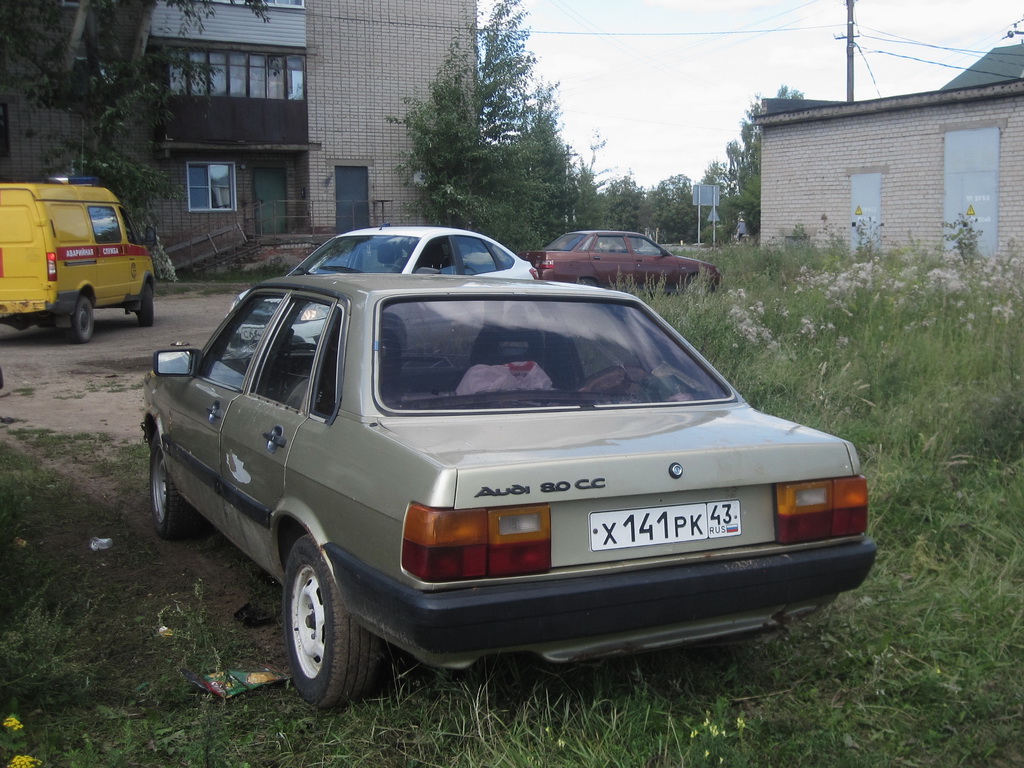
{"type": "Point", "coordinates": [996, 66]}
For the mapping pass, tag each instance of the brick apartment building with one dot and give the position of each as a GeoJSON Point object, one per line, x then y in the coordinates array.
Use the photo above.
{"type": "Point", "coordinates": [893, 171]}
{"type": "Point", "coordinates": [290, 130]}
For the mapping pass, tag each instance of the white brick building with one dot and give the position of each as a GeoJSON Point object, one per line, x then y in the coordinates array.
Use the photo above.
{"type": "Point", "coordinates": [893, 171]}
{"type": "Point", "coordinates": [289, 129]}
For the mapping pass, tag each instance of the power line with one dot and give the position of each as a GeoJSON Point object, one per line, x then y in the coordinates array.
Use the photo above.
{"type": "Point", "coordinates": [724, 33]}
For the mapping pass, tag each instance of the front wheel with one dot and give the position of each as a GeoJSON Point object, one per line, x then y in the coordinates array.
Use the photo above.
{"type": "Point", "coordinates": [333, 659]}
{"type": "Point", "coordinates": [145, 311]}
{"type": "Point", "coordinates": [82, 322]}
{"type": "Point", "coordinates": [173, 517]}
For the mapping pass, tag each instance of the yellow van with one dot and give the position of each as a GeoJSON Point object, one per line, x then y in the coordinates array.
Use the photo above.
{"type": "Point", "coordinates": [66, 249]}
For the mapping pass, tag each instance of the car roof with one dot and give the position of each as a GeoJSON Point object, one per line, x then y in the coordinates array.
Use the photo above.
{"type": "Point", "coordinates": [412, 231]}
{"type": "Point", "coordinates": [605, 232]}
{"type": "Point", "coordinates": [372, 286]}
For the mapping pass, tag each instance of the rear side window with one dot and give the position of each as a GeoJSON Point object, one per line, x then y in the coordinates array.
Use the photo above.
{"type": "Point", "coordinates": [289, 362]}
{"type": "Point", "coordinates": [610, 244]}
{"type": "Point", "coordinates": [502, 258]}
{"type": "Point", "coordinates": [476, 259]}
{"type": "Point", "coordinates": [105, 226]}
{"type": "Point", "coordinates": [70, 224]}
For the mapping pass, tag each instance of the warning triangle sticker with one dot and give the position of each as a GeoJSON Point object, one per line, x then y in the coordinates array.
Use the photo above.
{"type": "Point", "coordinates": [970, 211]}
{"type": "Point", "coordinates": [858, 212]}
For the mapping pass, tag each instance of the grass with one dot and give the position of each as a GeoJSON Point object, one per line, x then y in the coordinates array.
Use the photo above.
{"type": "Point", "coordinates": [916, 358]}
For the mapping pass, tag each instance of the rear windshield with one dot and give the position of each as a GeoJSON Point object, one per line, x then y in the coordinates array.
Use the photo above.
{"type": "Point", "coordinates": [451, 354]}
{"type": "Point", "coordinates": [565, 242]}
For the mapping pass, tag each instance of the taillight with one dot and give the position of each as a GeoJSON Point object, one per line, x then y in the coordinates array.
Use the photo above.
{"type": "Point", "coordinates": [51, 266]}
{"type": "Point", "coordinates": [450, 544]}
{"type": "Point", "coordinates": [821, 509]}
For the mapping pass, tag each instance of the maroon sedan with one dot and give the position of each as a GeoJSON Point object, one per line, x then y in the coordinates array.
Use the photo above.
{"type": "Point", "coordinates": [602, 257]}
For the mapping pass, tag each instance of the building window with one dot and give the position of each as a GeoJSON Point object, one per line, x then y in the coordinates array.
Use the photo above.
{"type": "Point", "coordinates": [211, 187]}
{"type": "Point", "coordinates": [245, 75]}
{"type": "Point", "coordinates": [5, 142]}
{"type": "Point", "coordinates": [277, 3]}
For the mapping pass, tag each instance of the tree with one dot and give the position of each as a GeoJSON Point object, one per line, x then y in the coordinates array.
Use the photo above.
{"type": "Point", "coordinates": [97, 66]}
{"type": "Point", "coordinates": [742, 183]}
{"type": "Point", "coordinates": [486, 148]}
{"type": "Point", "coordinates": [626, 205]}
{"type": "Point", "coordinates": [673, 214]}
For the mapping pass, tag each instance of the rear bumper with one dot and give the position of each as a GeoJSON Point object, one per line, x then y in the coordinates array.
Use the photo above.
{"type": "Point", "coordinates": [567, 612]}
{"type": "Point", "coordinates": [22, 306]}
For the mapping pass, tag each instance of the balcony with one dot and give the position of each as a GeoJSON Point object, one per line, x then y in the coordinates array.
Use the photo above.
{"type": "Point", "coordinates": [237, 121]}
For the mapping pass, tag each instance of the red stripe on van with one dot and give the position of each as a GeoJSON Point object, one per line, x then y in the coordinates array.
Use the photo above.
{"type": "Point", "coordinates": [72, 252]}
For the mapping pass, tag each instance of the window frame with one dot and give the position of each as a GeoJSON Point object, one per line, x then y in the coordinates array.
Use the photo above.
{"type": "Point", "coordinates": [262, 75]}
{"type": "Point", "coordinates": [209, 187]}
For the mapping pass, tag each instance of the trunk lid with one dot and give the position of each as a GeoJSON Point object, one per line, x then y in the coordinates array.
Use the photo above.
{"type": "Point", "coordinates": [673, 460]}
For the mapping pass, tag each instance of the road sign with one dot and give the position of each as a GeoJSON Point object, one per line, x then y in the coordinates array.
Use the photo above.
{"type": "Point", "coordinates": [705, 194]}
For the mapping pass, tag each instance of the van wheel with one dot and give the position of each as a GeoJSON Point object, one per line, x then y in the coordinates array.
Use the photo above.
{"type": "Point", "coordinates": [332, 658]}
{"type": "Point", "coordinates": [145, 311]}
{"type": "Point", "coordinates": [82, 321]}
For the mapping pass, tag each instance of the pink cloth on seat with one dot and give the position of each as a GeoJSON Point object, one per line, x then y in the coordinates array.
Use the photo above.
{"type": "Point", "coordinates": [499, 378]}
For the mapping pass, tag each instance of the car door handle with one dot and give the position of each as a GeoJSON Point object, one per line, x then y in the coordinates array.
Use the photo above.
{"type": "Point", "coordinates": [275, 439]}
{"type": "Point", "coordinates": [214, 412]}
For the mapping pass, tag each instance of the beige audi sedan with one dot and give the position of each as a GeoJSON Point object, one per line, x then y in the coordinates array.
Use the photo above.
{"type": "Point", "coordinates": [462, 466]}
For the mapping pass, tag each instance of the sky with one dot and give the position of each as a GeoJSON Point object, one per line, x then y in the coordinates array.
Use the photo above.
{"type": "Point", "coordinates": [665, 84]}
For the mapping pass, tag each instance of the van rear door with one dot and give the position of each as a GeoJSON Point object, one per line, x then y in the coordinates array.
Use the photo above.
{"type": "Point", "coordinates": [23, 282]}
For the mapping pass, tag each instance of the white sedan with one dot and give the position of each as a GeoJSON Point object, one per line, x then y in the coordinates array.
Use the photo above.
{"type": "Point", "coordinates": [419, 250]}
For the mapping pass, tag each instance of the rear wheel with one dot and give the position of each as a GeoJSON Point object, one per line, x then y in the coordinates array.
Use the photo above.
{"type": "Point", "coordinates": [333, 659]}
{"type": "Point", "coordinates": [173, 517]}
{"type": "Point", "coordinates": [82, 322]}
{"type": "Point", "coordinates": [587, 281]}
{"type": "Point", "coordinates": [145, 311]}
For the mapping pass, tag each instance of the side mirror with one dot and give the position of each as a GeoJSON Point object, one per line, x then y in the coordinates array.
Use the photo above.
{"type": "Point", "coordinates": [176, 362]}
{"type": "Point", "coordinates": [149, 238]}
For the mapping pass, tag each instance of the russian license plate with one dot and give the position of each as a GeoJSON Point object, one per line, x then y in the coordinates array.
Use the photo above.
{"type": "Point", "coordinates": [664, 525]}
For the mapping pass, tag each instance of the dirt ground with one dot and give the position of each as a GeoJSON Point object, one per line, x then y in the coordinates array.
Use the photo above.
{"type": "Point", "coordinates": [52, 384]}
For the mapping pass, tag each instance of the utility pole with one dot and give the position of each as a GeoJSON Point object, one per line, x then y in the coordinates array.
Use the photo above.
{"type": "Point", "coordinates": [849, 49]}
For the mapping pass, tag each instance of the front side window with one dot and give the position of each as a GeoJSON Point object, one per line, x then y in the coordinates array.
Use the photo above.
{"type": "Point", "coordinates": [450, 354]}
{"type": "Point", "coordinates": [644, 247]}
{"type": "Point", "coordinates": [105, 227]}
{"type": "Point", "coordinates": [227, 360]}
{"type": "Point", "coordinates": [211, 187]}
